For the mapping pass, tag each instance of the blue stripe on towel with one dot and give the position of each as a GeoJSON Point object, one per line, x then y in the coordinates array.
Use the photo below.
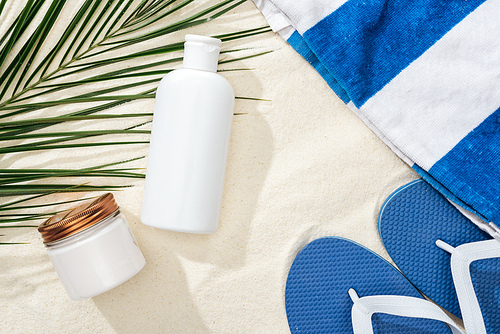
{"type": "Point", "coordinates": [365, 44]}
{"type": "Point", "coordinates": [471, 170]}
{"type": "Point", "coordinates": [298, 43]}
{"type": "Point", "coordinates": [444, 191]}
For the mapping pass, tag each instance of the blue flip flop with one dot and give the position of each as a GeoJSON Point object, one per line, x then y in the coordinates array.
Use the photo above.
{"type": "Point", "coordinates": [326, 281]}
{"type": "Point", "coordinates": [419, 227]}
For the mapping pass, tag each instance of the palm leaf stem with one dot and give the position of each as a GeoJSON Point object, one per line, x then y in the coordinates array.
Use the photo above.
{"type": "Point", "coordinates": [51, 192]}
{"type": "Point", "coordinates": [59, 119]}
{"type": "Point", "coordinates": [40, 105]}
{"type": "Point", "coordinates": [27, 207]}
{"type": "Point", "coordinates": [74, 133]}
{"type": "Point", "coordinates": [23, 219]}
{"type": "Point", "coordinates": [6, 150]}
{"type": "Point", "coordinates": [24, 189]}
{"type": "Point", "coordinates": [33, 177]}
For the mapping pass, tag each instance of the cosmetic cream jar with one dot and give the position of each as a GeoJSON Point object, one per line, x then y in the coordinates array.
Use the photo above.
{"type": "Point", "coordinates": [92, 247]}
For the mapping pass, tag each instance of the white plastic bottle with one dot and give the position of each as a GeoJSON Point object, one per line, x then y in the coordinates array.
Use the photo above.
{"type": "Point", "coordinates": [189, 143]}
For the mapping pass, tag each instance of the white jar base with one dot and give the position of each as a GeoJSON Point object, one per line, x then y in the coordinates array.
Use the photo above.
{"type": "Point", "coordinates": [140, 265]}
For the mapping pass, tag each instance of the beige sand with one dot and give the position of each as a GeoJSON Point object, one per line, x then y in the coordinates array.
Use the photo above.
{"type": "Point", "coordinates": [301, 166]}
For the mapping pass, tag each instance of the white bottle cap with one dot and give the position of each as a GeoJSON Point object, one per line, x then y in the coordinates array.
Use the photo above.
{"type": "Point", "coordinates": [201, 53]}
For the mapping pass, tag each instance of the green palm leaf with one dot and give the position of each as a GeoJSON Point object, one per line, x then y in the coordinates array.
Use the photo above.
{"type": "Point", "coordinates": [74, 80]}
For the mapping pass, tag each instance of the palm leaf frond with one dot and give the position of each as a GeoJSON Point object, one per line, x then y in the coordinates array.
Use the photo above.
{"type": "Point", "coordinates": [75, 79]}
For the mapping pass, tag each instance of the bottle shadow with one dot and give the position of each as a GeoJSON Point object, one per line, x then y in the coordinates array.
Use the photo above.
{"type": "Point", "coordinates": [249, 161]}
{"type": "Point", "coordinates": [160, 298]}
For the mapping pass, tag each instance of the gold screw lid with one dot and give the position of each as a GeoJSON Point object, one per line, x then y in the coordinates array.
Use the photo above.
{"type": "Point", "coordinates": [75, 220]}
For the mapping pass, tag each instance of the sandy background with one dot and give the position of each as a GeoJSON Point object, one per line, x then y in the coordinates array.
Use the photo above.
{"type": "Point", "coordinates": [301, 166]}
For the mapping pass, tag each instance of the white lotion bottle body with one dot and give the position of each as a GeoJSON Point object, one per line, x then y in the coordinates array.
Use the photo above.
{"type": "Point", "coordinates": [189, 147]}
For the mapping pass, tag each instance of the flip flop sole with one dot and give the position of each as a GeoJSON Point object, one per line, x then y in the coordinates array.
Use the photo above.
{"type": "Point", "coordinates": [410, 222]}
{"type": "Point", "coordinates": [316, 297]}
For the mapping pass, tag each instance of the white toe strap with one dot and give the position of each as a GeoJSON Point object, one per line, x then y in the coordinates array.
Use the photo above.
{"type": "Point", "coordinates": [461, 259]}
{"type": "Point", "coordinates": [403, 306]}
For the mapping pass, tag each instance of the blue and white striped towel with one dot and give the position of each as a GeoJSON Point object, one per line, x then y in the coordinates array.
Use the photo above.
{"type": "Point", "coordinates": [424, 75]}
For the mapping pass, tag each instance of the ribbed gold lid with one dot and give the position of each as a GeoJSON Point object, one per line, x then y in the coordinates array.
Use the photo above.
{"type": "Point", "coordinates": [75, 220]}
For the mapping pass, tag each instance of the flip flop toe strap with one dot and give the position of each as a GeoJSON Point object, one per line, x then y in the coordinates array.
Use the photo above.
{"type": "Point", "coordinates": [461, 259]}
{"type": "Point", "coordinates": [364, 307]}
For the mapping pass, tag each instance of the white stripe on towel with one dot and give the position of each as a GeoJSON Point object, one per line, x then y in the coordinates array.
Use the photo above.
{"type": "Point", "coordinates": [440, 83]}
